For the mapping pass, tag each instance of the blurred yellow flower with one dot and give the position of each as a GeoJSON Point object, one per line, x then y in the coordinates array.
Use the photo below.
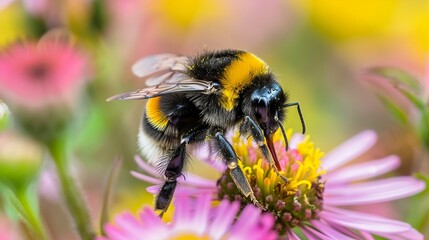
{"type": "Point", "coordinates": [11, 24]}
{"type": "Point", "coordinates": [184, 14]}
{"type": "Point", "coordinates": [412, 25]}
{"type": "Point", "coordinates": [398, 22]}
{"type": "Point", "coordinates": [343, 20]}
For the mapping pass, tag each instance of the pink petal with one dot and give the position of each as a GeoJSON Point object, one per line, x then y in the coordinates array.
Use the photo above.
{"type": "Point", "coordinates": [349, 150]}
{"type": "Point", "coordinates": [312, 234]}
{"type": "Point", "coordinates": [295, 140]}
{"type": "Point", "coordinates": [153, 189]}
{"type": "Point", "coordinates": [182, 213]}
{"type": "Point", "coordinates": [194, 180]}
{"type": "Point", "coordinates": [115, 233]}
{"type": "Point", "coordinates": [223, 218]}
{"type": "Point", "coordinates": [364, 170]}
{"type": "Point", "coordinates": [291, 235]}
{"type": "Point", "coordinates": [366, 235]}
{"type": "Point", "coordinates": [152, 225]}
{"type": "Point", "coordinates": [150, 219]}
{"type": "Point", "coordinates": [363, 221]}
{"type": "Point", "coordinates": [412, 234]}
{"type": "Point", "coordinates": [263, 228]}
{"type": "Point", "coordinates": [145, 166]}
{"type": "Point", "coordinates": [248, 219]}
{"type": "Point", "coordinates": [373, 192]}
{"type": "Point", "coordinates": [353, 233]}
{"type": "Point", "coordinates": [145, 178]}
{"type": "Point", "coordinates": [330, 231]}
{"type": "Point", "coordinates": [184, 190]}
{"type": "Point", "coordinates": [199, 221]}
{"type": "Point", "coordinates": [128, 224]}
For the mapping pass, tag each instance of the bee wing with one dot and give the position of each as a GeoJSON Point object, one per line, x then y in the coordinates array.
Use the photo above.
{"type": "Point", "coordinates": [156, 69]}
{"type": "Point", "coordinates": [174, 84]}
{"type": "Point", "coordinates": [164, 74]}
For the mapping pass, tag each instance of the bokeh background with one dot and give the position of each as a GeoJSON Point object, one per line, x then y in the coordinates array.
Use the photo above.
{"type": "Point", "coordinates": [321, 50]}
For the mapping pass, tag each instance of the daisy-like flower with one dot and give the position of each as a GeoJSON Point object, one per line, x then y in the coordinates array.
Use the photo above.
{"type": "Point", "coordinates": [194, 219]}
{"type": "Point", "coordinates": [40, 82]}
{"type": "Point", "coordinates": [37, 75]}
{"type": "Point", "coordinates": [319, 188]}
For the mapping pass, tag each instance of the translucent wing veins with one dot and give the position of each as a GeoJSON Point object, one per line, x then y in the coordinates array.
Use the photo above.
{"type": "Point", "coordinates": [164, 74]}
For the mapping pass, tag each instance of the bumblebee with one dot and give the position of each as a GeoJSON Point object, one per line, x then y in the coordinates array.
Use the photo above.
{"type": "Point", "coordinates": [196, 99]}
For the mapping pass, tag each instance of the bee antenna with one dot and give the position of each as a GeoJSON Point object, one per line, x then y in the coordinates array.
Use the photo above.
{"type": "Point", "coordinates": [301, 117]}
{"type": "Point", "coordinates": [284, 133]}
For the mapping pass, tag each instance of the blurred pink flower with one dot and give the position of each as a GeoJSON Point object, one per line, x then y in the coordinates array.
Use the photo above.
{"type": "Point", "coordinates": [343, 187]}
{"type": "Point", "coordinates": [194, 218]}
{"type": "Point", "coordinates": [9, 230]}
{"type": "Point", "coordinates": [43, 75]}
{"type": "Point", "coordinates": [5, 3]}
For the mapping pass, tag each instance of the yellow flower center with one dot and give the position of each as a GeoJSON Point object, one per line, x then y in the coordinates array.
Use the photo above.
{"type": "Point", "coordinates": [293, 202]}
{"type": "Point", "coordinates": [190, 236]}
{"type": "Point", "coordinates": [302, 166]}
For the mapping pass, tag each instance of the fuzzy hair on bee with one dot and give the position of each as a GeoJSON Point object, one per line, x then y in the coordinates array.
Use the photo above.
{"type": "Point", "coordinates": [192, 100]}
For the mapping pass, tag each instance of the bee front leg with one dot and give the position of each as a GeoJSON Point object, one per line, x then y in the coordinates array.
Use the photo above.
{"type": "Point", "coordinates": [230, 157]}
{"type": "Point", "coordinates": [248, 125]}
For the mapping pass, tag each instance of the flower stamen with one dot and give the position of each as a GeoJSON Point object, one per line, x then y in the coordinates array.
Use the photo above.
{"type": "Point", "coordinates": [293, 202]}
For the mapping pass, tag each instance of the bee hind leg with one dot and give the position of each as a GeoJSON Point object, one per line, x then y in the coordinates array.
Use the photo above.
{"type": "Point", "coordinates": [175, 167]}
{"type": "Point", "coordinates": [172, 172]}
{"type": "Point", "coordinates": [230, 157]}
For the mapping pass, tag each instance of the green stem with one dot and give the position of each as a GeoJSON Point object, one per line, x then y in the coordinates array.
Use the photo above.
{"type": "Point", "coordinates": [72, 196]}
{"type": "Point", "coordinates": [25, 203]}
{"type": "Point", "coordinates": [29, 202]}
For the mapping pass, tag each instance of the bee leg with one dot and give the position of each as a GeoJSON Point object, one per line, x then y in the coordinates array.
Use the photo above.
{"type": "Point", "coordinates": [230, 157]}
{"type": "Point", "coordinates": [249, 125]}
{"type": "Point", "coordinates": [175, 167]}
{"type": "Point", "coordinates": [172, 172]}
{"type": "Point", "coordinates": [164, 197]}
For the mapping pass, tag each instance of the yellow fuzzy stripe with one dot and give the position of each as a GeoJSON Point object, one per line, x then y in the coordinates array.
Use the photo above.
{"type": "Point", "coordinates": [238, 75]}
{"type": "Point", "coordinates": [154, 115]}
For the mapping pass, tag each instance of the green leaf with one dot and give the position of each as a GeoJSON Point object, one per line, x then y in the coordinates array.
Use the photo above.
{"type": "Point", "coordinates": [397, 76]}
{"type": "Point", "coordinates": [417, 102]}
{"type": "Point", "coordinates": [418, 216]}
{"type": "Point", "coordinates": [114, 171]}
{"type": "Point", "coordinates": [424, 128]}
{"type": "Point", "coordinates": [25, 205]}
{"type": "Point", "coordinates": [395, 110]}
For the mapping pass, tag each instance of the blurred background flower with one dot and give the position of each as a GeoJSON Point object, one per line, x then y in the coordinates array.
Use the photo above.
{"type": "Point", "coordinates": [41, 83]}
{"type": "Point", "coordinates": [318, 49]}
{"type": "Point", "coordinates": [20, 159]}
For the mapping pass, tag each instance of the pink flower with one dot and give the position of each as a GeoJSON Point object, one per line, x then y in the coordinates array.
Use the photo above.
{"type": "Point", "coordinates": [9, 230]}
{"type": "Point", "coordinates": [316, 195]}
{"type": "Point", "coordinates": [40, 76]}
{"type": "Point", "coordinates": [194, 218]}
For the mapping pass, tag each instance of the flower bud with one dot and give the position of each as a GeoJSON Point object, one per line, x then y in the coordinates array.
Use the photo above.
{"type": "Point", "coordinates": [4, 115]}
{"type": "Point", "coordinates": [20, 160]}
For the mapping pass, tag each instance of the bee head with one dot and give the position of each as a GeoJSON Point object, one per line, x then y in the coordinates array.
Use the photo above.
{"type": "Point", "coordinates": [267, 107]}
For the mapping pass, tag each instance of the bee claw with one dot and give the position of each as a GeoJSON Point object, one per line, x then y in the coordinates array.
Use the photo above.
{"type": "Point", "coordinates": [256, 202]}
{"type": "Point", "coordinates": [285, 179]}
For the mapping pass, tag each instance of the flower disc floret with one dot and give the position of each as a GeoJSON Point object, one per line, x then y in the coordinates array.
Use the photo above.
{"type": "Point", "coordinates": [293, 202]}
